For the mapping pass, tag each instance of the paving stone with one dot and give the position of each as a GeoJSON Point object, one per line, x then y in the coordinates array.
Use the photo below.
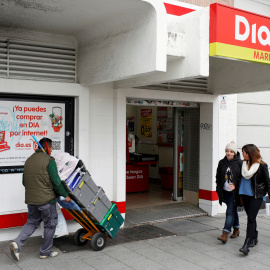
{"type": "Point", "coordinates": [154, 230]}
{"type": "Point", "coordinates": [180, 264]}
{"type": "Point", "coordinates": [183, 227]}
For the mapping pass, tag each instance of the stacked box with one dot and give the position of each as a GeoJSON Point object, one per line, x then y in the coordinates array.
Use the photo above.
{"type": "Point", "coordinates": [112, 221]}
{"type": "Point", "coordinates": [84, 192]}
{"type": "Point", "coordinates": [90, 198]}
{"type": "Point", "coordinates": [98, 206]}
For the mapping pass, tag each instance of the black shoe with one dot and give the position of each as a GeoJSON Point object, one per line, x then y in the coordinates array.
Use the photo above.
{"type": "Point", "coordinates": [254, 241]}
{"type": "Point", "coordinates": [245, 247]}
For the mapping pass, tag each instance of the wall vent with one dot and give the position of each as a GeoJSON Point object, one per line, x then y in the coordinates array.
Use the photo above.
{"type": "Point", "coordinates": [3, 57]}
{"type": "Point", "coordinates": [36, 61]}
{"type": "Point", "coordinates": [192, 85]}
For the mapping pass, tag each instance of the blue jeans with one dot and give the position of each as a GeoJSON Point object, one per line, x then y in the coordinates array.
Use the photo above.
{"type": "Point", "coordinates": [232, 219]}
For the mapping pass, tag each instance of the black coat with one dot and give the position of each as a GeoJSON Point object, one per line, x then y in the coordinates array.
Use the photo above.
{"type": "Point", "coordinates": [236, 165]}
{"type": "Point", "coordinates": [260, 182]}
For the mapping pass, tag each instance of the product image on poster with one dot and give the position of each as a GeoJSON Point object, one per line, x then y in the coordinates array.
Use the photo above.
{"type": "Point", "coordinates": [56, 118]}
{"type": "Point", "coordinates": [3, 143]}
{"type": "Point", "coordinates": [20, 120]}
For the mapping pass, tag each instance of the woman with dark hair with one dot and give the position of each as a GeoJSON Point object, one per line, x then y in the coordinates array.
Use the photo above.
{"type": "Point", "coordinates": [255, 183]}
{"type": "Point", "coordinates": [227, 180]}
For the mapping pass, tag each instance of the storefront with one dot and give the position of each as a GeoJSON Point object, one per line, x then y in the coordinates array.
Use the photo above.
{"type": "Point", "coordinates": [170, 67]}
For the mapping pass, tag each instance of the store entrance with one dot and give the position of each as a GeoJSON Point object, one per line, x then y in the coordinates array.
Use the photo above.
{"type": "Point", "coordinates": [151, 157]}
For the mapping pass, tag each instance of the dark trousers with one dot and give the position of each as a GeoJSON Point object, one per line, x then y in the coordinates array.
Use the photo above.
{"type": "Point", "coordinates": [37, 213]}
{"type": "Point", "coordinates": [252, 207]}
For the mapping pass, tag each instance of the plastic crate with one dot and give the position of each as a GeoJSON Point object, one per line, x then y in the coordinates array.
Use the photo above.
{"type": "Point", "coordinates": [98, 207]}
{"type": "Point", "coordinates": [84, 192]}
{"type": "Point", "coordinates": [112, 221]}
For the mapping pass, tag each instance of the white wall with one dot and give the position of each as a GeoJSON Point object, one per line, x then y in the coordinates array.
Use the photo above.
{"type": "Point", "coordinates": [227, 125]}
{"type": "Point", "coordinates": [101, 136]}
{"type": "Point", "coordinates": [253, 122]}
{"type": "Point", "coordinates": [208, 151]}
{"type": "Point", "coordinates": [227, 122]}
{"type": "Point", "coordinates": [222, 116]}
{"type": "Point", "coordinates": [132, 44]}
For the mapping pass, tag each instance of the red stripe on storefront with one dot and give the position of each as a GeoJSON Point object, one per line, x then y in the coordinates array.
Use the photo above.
{"type": "Point", "coordinates": [18, 220]}
{"type": "Point", "coordinates": [13, 220]}
{"type": "Point", "coordinates": [121, 206]}
{"type": "Point", "coordinates": [176, 10]}
{"type": "Point", "coordinates": [208, 195]}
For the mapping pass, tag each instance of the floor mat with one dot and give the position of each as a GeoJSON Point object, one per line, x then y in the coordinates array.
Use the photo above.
{"type": "Point", "coordinates": [161, 213]}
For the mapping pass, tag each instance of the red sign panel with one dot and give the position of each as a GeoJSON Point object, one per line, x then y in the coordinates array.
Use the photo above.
{"type": "Point", "coordinates": [137, 178]}
{"type": "Point", "coordinates": [232, 29]}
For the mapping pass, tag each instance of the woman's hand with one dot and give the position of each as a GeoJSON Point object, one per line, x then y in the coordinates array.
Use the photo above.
{"type": "Point", "coordinates": [232, 186]}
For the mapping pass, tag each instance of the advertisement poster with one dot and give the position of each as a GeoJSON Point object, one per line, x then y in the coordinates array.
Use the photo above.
{"type": "Point", "coordinates": [162, 112]}
{"type": "Point", "coordinates": [166, 124]}
{"type": "Point", "coordinates": [19, 120]}
{"type": "Point", "coordinates": [165, 137]}
{"type": "Point", "coordinates": [146, 123]}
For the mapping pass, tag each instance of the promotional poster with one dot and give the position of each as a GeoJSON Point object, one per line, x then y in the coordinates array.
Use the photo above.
{"type": "Point", "coordinates": [19, 120]}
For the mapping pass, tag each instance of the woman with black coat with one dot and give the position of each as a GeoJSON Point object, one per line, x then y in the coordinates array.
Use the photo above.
{"type": "Point", "coordinates": [255, 183]}
{"type": "Point", "coordinates": [227, 180]}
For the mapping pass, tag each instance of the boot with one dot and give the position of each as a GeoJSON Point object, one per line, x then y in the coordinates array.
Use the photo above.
{"type": "Point", "coordinates": [236, 233]}
{"type": "Point", "coordinates": [224, 237]}
{"type": "Point", "coordinates": [254, 241]}
{"type": "Point", "coordinates": [245, 247]}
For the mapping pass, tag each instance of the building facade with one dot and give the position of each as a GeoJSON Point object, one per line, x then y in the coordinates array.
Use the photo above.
{"type": "Point", "coordinates": [92, 65]}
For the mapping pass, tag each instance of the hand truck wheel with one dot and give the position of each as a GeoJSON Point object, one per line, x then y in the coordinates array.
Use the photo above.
{"type": "Point", "coordinates": [98, 241]}
{"type": "Point", "coordinates": [78, 237]}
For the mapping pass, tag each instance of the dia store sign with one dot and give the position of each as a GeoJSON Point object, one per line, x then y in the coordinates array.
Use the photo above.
{"type": "Point", "coordinates": [239, 34]}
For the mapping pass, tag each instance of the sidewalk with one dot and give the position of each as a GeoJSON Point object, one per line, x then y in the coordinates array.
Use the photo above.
{"type": "Point", "coordinates": [175, 244]}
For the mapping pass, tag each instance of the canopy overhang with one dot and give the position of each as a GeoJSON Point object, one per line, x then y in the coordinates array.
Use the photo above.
{"type": "Point", "coordinates": [136, 43]}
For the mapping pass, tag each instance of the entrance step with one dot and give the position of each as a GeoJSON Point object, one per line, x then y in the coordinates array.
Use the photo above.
{"type": "Point", "coordinates": [161, 213]}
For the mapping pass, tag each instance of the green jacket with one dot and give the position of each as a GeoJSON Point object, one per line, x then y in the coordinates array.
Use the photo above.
{"type": "Point", "coordinates": [41, 179]}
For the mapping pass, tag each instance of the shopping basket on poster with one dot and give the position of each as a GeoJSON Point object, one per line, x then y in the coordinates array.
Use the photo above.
{"type": "Point", "coordinates": [56, 118]}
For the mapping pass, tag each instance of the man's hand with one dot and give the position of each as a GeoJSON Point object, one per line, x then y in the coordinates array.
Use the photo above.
{"type": "Point", "coordinates": [68, 199]}
{"type": "Point", "coordinates": [232, 186]}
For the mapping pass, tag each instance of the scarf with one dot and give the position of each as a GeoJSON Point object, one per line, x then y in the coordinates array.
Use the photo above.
{"type": "Point", "coordinates": [249, 173]}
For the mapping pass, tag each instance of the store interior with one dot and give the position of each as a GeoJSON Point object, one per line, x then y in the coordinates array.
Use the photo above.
{"type": "Point", "coordinates": [149, 178]}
